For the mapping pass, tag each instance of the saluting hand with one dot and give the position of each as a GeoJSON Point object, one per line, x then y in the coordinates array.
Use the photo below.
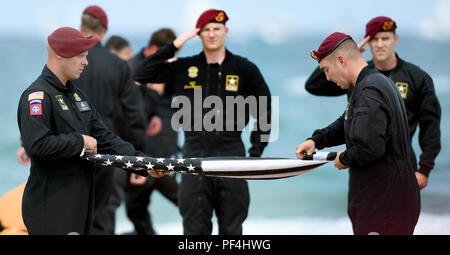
{"type": "Point", "coordinates": [307, 147]}
{"type": "Point", "coordinates": [183, 38]}
{"type": "Point", "coordinates": [90, 144]}
{"type": "Point", "coordinates": [363, 43]}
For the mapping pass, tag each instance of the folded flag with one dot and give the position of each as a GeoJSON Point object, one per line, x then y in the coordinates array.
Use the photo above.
{"type": "Point", "coordinates": [230, 167]}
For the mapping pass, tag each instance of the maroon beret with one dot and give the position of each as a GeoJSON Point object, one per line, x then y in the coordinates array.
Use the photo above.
{"type": "Point", "coordinates": [68, 42]}
{"type": "Point", "coordinates": [379, 24]}
{"type": "Point", "coordinates": [211, 15]}
{"type": "Point", "coordinates": [98, 13]}
{"type": "Point", "coordinates": [329, 45]}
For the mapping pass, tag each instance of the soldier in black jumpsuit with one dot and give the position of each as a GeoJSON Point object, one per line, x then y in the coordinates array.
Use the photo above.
{"type": "Point", "coordinates": [383, 194]}
{"type": "Point", "coordinates": [108, 83]}
{"type": "Point", "coordinates": [59, 194]}
{"type": "Point", "coordinates": [162, 145]}
{"type": "Point", "coordinates": [198, 195]}
{"type": "Point", "coordinates": [417, 90]}
{"type": "Point", "coordinates": [56, 121]}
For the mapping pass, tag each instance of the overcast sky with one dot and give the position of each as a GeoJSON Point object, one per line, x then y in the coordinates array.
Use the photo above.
{"type": "Point", "coordinates": [272, 20]}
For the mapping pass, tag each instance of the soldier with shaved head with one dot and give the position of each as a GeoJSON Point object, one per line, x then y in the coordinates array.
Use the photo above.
{"type": "Point", "coordinates": [57, 123]}
{"type": "Point", "coordinates": [383, 194]}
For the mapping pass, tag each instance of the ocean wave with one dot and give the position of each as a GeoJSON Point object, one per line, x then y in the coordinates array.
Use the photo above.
{"type": "Point", "coordinates": [428, 224]}
{"type": "Point", "coordinates": [295, 86]}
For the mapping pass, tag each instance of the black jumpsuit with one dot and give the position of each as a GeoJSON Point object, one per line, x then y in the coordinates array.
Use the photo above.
{"type": "Point", "coordinates": [422, 105]}
{"type": "Point", "coordinates": [236, 76]}
{"type": "Point", "coordinates": [162, 145]}
{"type": "Point", "coordinates": [383, 192]}
{"type": "Point", "coordinates": [59, 195]}
{"type": "Point", "coordinates": [108, 83]}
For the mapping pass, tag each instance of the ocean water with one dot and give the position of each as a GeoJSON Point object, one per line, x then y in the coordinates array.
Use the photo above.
{"type": "Point", "coordinates": [313, 203]}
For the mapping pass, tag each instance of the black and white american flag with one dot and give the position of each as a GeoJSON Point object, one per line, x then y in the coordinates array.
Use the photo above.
{"type": "Point", "coordinates": [191, 165]}
{"type": "Point", "coordinates": [229, 167]}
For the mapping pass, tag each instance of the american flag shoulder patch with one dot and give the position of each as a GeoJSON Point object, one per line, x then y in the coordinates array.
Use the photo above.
{"type": "Point", "coordinates": [36, 95]}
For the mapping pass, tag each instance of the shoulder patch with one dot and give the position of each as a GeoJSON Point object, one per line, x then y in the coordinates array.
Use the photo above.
{"type": "Point", "coordinates": [36, 95]}
{"type": "Point", "coordinates": [35, 109]}
{"type": "Point", "coordinates": [36, 101]}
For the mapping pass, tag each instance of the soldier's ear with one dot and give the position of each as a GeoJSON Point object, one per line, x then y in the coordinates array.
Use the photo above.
{"type": "Point", "coordinates": [341, 59]}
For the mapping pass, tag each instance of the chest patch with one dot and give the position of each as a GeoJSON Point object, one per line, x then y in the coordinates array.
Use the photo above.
{"type": "Point", "coordinates": [192, 85]}
{"type": "Point", "coordinates": [62, 103]}
{"type": "Point", "coordinates": [193, 72]}
{"type": "Point", "coordinates": [346, 111]}
{"type": "Point", "coordinates": [402, 88]}
{"type": "Point", "coordinates": [77, 97]}
{"type": "Point", "coordinates": [83, 106]}
{"type": "Point", "coordinates": [231, 83]}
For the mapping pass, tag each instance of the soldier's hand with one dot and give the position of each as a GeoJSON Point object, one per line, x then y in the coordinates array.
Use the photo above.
{"type": "Point", "coordinates": [137, 180]}
{"type": "Point", "coordinates": [22, 156]}
{"type": "Point", "coordinates": [182, 39]}
{"type": "Point", "coordinates": [363, 43]}
{"type": "Point", "coordinates": [307, 147]}
{"type": "Point", "coordinates": [422, 180]}
{"type": "Point", "coordinates": [157, 174]}
{"type": "Point", "coordinates": [158, 87]}
{"type": "Point", "coordinates": [90, 144]}
{"type": "Point", "coordinates": [154, 126]}
{"type": "Point", "coordinates": [337, 162]}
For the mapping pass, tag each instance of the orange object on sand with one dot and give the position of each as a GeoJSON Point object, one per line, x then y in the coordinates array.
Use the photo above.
{"type": "Point", "coordinates": [11, 212]}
